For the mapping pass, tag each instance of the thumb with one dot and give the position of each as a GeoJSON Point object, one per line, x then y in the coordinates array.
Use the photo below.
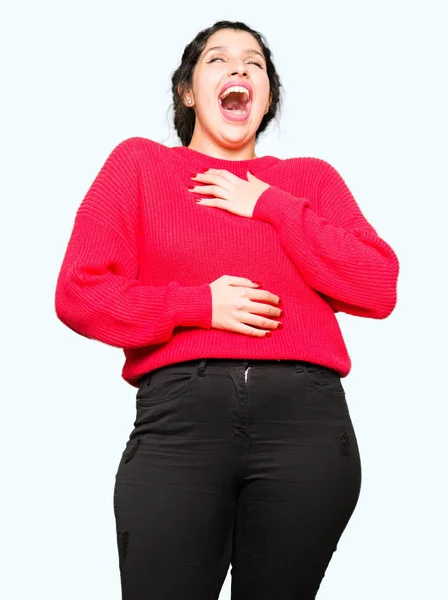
{"type": "Point", "coordinates": [251, 176]}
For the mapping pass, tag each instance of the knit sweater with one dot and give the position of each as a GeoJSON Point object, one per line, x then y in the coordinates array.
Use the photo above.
{"type": "Point", "coordinates": [142, 253]}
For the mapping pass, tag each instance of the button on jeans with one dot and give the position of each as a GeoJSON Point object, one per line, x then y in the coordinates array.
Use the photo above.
{"type": "Point", "coordinates": [247, 464]}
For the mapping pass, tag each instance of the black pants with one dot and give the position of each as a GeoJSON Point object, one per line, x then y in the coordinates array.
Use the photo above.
{"type": "Point", "coordinates": [248, 463]}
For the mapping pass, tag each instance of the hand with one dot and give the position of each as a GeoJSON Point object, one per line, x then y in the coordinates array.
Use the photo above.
{"type": "Point", "coordinates": [236, 305]}
{"type": "Point", "coordinates": [230, 192]}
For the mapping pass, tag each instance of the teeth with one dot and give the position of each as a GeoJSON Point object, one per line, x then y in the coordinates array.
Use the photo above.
{"type": "Point", "coordinates": [235, 88]}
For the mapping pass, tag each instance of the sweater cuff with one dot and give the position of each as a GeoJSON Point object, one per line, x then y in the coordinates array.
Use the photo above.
{"type": "Point", "coordinates": [194, 306]}
{"type": "Point", "coordinates": [274, 204]}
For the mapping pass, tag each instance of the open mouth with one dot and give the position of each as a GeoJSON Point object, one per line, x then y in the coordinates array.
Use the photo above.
{"type": "Point", "coordinates": [235, 103]}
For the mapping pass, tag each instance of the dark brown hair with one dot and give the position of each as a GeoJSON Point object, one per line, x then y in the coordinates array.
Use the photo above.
{"type": "Point", "coordinates": [184, 117]}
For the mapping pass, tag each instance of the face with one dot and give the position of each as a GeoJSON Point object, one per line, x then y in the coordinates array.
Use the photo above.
{"type": "Point", "coordinates": [230, 58]}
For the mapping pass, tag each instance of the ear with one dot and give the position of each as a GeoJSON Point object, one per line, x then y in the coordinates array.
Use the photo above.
{"type": "Point", "coordinates": [186, 95]}
{"type": "Point", "coordinates": [269, 105]}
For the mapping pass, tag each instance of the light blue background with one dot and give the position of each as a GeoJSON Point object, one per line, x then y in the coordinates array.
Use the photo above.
{"type": "Point", "coordinates": [365, 89]}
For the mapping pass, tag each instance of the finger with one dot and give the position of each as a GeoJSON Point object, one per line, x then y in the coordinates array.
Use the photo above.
{"type": "Point", "coordinates": [240, 328]}
{"type": "Point", "coordinates": [227, 175]}
{"type": "Point", "coordinates": [251, 177]}
{"type": "Point", "coordinates": [216, 202]}
{"type": "Point", "coordinates": [212, 190]}
{"type": "Point", "coordinates": [213, 178]}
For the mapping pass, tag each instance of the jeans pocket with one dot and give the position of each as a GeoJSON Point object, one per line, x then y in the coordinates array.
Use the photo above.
{"type": "Point", "coordinates": [166, 383]}
{"type": "Point", "coordinates": [324, 379]}
{"type": "Point", "coordinates": [131, 450]}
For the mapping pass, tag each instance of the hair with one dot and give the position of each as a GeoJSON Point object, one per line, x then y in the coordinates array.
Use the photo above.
{"type": "Point", "coordinates": [182, 78]}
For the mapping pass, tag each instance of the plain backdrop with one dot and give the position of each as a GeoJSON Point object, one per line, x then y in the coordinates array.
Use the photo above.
{"type": "Point", "coordinates": [364, 89]}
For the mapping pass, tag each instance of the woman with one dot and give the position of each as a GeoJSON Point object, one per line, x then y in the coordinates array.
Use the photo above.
{"type": "Point", "coordinates": [243, 451]}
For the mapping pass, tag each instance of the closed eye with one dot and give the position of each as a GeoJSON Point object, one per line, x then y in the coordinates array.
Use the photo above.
{"type": "Point", "coordinates": [251, 62]}
{"type": "Point", "coordinates": [254, 62]}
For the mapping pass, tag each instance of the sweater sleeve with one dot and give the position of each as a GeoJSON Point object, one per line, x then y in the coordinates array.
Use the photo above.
{"type": "Point", "coordinates": [97, 292]}
{"type": "Point", "coordinates": [337, 251]}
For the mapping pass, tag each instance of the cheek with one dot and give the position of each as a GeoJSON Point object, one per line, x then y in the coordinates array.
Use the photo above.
{"type": "Point", "coordinates": [263, 89]}
{"type": "Point", "coordinates": [205, 86]}
{"type": "Point", "coordinates": [205, 95]}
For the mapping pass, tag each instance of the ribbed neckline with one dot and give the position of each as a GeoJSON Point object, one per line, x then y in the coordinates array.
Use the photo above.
{"type": "Point", "coordinates": [204, 161]}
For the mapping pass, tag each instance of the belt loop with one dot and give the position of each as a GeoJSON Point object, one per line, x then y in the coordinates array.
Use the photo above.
{"type": "Point", "coordinates": [298, 367]}
{"type": "Point", "coordinates": [201, 367]}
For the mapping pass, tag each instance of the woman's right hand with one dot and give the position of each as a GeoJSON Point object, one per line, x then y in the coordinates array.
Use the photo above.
{"type": "Point", "coordinates": [236, 304]}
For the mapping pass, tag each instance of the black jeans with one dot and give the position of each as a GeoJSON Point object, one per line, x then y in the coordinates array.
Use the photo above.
{"type": "Point", "coordinates": [248, 463]}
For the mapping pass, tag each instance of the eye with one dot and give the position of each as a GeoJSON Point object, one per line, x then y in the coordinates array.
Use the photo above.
{"type": "Point", "coordinates": [250, 62]}
{"type": "Point", "coordinates": [213, 59]}
{"type": "Point", "coordinates": [254, 62]}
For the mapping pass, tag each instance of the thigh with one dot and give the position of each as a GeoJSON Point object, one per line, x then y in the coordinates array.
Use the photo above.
{"type": "Point", "coordinates": [302, 484]}
{"type": "Point", "coordinates": [173, 499]}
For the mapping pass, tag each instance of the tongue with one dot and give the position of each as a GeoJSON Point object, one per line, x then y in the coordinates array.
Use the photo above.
{"type": "Point", "coordinates": [233, 104]}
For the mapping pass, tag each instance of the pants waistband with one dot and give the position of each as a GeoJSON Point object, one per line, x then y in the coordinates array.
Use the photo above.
{"type": "Point", "coordinates": [298, 365]}
{"type": "Point", "coordinates": [247, 362]}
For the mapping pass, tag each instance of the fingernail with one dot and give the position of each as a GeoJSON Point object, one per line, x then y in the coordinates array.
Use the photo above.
{"type": "Point", "coordinates": [257, 282]}
{"type": "Point", "coordinates": [268, 334]}
{"type": "Point", "coordinates": [191, 187]}
{"type": "Point", "coordinates": [193, 174]}
{"type": "Point", "coordinates": [279, 326]}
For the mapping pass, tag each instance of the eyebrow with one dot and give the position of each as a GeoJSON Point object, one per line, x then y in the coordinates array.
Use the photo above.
{"type": "Point", "coordinates": [248, 51]}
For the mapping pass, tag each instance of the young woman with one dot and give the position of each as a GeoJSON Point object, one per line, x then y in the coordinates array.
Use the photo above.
{"type": "Point", "coordinates": [243, 451]}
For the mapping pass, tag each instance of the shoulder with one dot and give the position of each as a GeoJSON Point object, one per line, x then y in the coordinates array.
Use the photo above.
{"type": "Point", "coordinates": [138, 147]}
{"type": "Point", "coordinates": [308, 163]}
{"type": "Point", "coordinates": [322, 173]}
{"type": "Point", "coordinates": [144, 154]}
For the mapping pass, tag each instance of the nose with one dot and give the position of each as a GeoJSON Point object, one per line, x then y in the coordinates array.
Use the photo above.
{"type": "Point", "coordinates": [240, 71]}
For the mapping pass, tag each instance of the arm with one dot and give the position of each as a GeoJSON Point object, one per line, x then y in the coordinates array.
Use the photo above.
{"type": "Point", "coordinates": [338, 253]}
{"type": "Point", "coordinates": [97, 291]}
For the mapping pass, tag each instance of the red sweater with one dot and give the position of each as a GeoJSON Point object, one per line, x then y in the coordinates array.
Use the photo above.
{"type": "Point", "coordinates": [142, 253]}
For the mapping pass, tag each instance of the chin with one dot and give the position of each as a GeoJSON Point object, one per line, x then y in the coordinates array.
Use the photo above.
{"type": "Point", "coordinates": [236, 134]}
{"type": "Point", "coordinates": [233, 141]}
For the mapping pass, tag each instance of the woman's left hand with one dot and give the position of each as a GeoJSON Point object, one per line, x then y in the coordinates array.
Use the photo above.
{"type": "Point", "coordinates": [230, 192]}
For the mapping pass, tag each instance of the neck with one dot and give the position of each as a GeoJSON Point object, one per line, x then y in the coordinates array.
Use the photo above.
{"type": "Point", "coordinates": [207, 146]}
